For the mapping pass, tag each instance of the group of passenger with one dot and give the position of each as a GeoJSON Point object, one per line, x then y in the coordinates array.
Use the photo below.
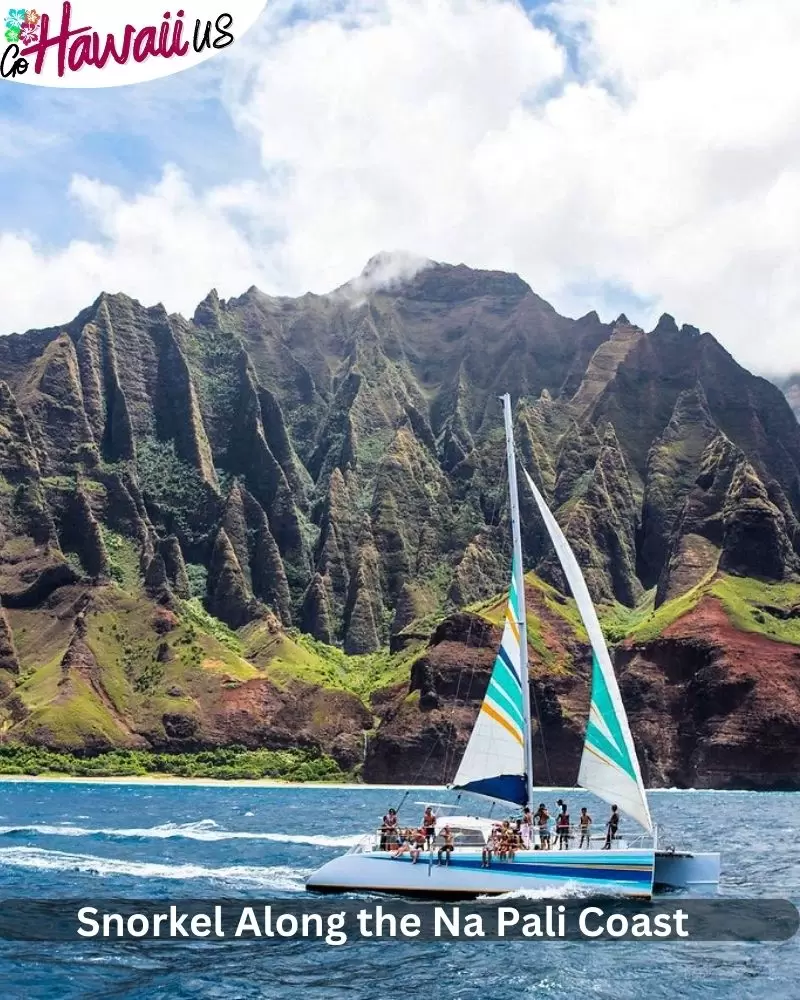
{"type": "Point", "coordinates": [413, 842]}
{"type": "Point", "coordinates": [506, 838]}
{"type": "Point", "coordinates": [542, 822]}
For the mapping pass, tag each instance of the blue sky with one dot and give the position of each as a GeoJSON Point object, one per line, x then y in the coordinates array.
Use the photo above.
{"type": "Point", "coordinates": [125, 135]}
{"type": "Point", "coordinates": [620, 156]}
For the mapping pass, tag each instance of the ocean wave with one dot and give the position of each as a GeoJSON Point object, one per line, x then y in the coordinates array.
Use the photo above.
{"type": "Point", "coordinates": [276, 877]}
{"type": "Point", "coordinates": [205, 829]}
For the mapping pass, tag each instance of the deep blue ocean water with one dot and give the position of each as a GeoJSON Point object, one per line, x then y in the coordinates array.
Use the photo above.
{"type": "Point", "coordinates": [60, 839]}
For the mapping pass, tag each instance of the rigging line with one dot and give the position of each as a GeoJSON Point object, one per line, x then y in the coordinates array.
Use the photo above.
{"type": "Point", "coordinates": [535, 701]}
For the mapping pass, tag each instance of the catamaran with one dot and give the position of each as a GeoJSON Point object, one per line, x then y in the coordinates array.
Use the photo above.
{"type": "Point", "coordinates": [498, 765]}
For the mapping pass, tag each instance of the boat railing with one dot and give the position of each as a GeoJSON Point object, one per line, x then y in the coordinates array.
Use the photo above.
{"type": "Point", "coordinates": [378, 840]}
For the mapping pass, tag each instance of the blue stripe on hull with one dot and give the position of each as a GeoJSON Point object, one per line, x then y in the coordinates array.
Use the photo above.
{"type": "Point", "coordinates": [639, 870]}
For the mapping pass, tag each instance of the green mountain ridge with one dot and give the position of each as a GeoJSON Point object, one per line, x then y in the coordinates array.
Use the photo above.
{"type": "Point", "coordinates": [215, 530]}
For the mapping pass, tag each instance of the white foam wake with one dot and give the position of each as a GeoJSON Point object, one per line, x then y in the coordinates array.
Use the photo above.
{"type": "Point", "coordinates": [204, 829]}
{"type": "Point", "coordinates": [569, 890]}
{"type": "Point", "coordinates": [276, 877]}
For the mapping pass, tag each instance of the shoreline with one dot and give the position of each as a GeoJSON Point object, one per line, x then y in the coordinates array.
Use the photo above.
{"type": "Point", "coordinates": [171, 779]}
{"type": "Point", "coordinates": [167, 780]}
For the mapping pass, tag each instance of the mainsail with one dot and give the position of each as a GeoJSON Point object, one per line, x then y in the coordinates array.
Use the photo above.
{"type": "Point", "coordinates": [494, 760]}
{"type": "Point", "coordinates": [609, 767]}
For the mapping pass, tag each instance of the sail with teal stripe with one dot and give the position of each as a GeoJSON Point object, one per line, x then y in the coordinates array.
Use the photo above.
{"type": "Point", "coordinates": [494, 760]}
{"type": "Point", "coordinates": [609, 766]}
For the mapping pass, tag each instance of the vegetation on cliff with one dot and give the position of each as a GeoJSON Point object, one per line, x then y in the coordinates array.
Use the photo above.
{"type": "Point", "coordinates": [213, 531]}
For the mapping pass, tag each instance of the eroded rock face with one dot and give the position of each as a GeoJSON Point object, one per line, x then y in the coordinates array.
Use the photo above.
{"type": "Point", "coordinates": [228, 591]}
{"type": "Point", "coordinates": [728, 521]}
{"type": "Point", "coordinates": [709, 707]}
{"type": "Point", "coordinates": [672, 467]}
{"type": "Point", "coordinates": [336, 463]}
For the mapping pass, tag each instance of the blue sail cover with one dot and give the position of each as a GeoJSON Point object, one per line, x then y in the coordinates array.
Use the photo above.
{"type": "Point", "coordinates": [505, 788]}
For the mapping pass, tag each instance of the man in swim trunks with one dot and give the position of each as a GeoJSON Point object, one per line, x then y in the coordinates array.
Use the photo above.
{"type": "Point", "coordinates": [447, 847]}
{"type": "Point", "coordinates": [417, 843]}
{"type": "Point", "coordinates": [429, 825]}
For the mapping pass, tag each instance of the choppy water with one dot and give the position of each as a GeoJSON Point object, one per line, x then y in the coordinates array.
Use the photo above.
{"type": "Point", "coordinates": [146, 841]}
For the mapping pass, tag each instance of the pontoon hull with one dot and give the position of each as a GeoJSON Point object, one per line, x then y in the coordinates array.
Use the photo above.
{"type": "Point", "coordinates": [686, 870]}
{"type": "Point", "coordinates": [619, 873]}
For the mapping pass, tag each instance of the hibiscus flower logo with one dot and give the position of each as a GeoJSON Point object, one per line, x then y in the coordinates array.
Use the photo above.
{"type": "Point", "coordinates": [22, 26]}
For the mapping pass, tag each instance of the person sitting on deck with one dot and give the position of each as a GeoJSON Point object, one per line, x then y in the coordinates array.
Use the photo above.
{"type": "Point", "coordinates": [586, 827]}
{"type": "Point", "coordinates": [611, 828]}
{"type": "Point", "coordinates": [447, 847]}
{"type": "Point", "coordinates": [406, 839]}
{"type": "Point", "coordinates": [497, 841]}
{"type": "Point", "coordinates": [389, 830]}
{"type": "Point", "coordinates": [429, 825]}
{"type": "Point", "coordinates": [417, 843]}
{"type": "Point", "coordinates": [509, 842]}
{"type": "Point", "coordinates": [562, 828]}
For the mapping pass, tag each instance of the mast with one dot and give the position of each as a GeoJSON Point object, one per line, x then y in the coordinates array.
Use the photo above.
{"type": "Point", "coordinates": [519, 586]}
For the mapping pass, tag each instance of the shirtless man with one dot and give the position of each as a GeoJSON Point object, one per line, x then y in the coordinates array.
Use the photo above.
{"type": "Point", "coordinates": [417, 843]}
{"type": "Point", "coordinates": [447, 847]}
{"type": "Point", "coordinates": [429, 825]}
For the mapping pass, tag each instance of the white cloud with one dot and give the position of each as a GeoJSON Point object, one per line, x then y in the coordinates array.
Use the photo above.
{"type": "Point", "coordinates": [167, 244]}
{"type": "Point", "coordinates": [666, 163]}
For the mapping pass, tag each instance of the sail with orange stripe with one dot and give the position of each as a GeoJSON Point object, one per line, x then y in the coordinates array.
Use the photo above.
{"type": "Point", "coordinates": [494, 760]}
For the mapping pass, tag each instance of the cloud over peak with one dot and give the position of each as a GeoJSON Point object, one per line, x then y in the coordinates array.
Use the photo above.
{"type": "Point", "coordinates": [618, 155]}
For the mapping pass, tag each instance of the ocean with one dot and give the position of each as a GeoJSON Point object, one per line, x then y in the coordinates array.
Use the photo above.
{"type": "Point", "coordinates": [154, 841]}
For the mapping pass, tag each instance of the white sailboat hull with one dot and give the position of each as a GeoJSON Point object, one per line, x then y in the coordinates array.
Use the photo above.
{"type": "Point", "coordinates": [625, 872]}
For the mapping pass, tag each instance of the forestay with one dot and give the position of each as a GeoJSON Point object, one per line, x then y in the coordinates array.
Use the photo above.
{"type": "Point", "coordinates": [609, 767]}
{"type": "Point", "coordinates": [494, 760]}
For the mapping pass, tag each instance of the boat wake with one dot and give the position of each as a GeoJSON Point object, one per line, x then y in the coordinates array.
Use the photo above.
{"type": "Point", "coordinates": [205, 829]}
{"type": "Point", "coordinates": [569, 890]}
{"type": "Point", "coordinates": [279, 878]}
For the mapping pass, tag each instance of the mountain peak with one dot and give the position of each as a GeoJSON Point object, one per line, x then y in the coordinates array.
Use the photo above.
{"type": "Point", "coordinates": [666, 324]}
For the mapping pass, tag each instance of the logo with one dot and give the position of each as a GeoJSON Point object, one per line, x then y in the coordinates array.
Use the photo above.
{"type": "Point", "coordinates": [94, 43]}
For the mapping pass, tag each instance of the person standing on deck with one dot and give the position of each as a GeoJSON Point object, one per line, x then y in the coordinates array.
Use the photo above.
{"type": "Point", "coordinates": [542, 820]}
{"type": "Point", "coordinates": [611, 828]}
{"type": "Point", "coordinates": [526, 828]}
{"type": "Point", "coordinates": [562, 827]}
{"type": "Point", "coordinates": [429, 826]}
{"type": "Point", "coordinates": [586, 827]}
{"type": "Point", "coordinates": [389, 830]}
